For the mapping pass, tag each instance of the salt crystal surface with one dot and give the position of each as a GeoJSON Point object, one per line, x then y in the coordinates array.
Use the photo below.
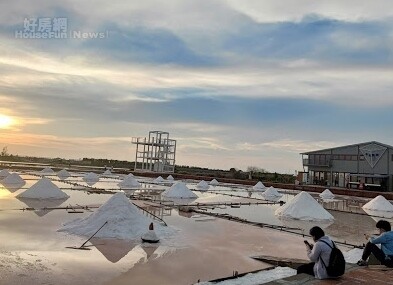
{"type": "Point", "coordinates": [91, 177]}
{"type": "Point", "coordinates": [379, 203]}
{"type": "Point", "coordinates": [271, 192]}
{"type": "Point", "coordinates": [63, 174]}
{"type": "Point", "coordinates": [47, 170]}
{"type": "Point", "coordinates": [43, 189]}
{"type": "Point", "coordinates": [4, 173]}
{"type": "Point", "coordinates": [125, 221]}
{"type": "Point", "coordinates": [12, 179]}
{"type": "Point", "coordinates": [203, 185]}
{"type": "Point", "coordinates": [150, 235]}
{"type": "Point", "coordinates": [179, 190]}
{"type": "Point", "coordinates": [214, 182]}
{"type": "Point", "coordinates": [170, 178]}
{"type": "Point", "coordinates": [304, 207]}
{"type": "Point", "coordinates": [259, 186]}
{"type": "Point", "coordinates": [260, 277]}
{"type": "Point", "coordinates": [107, 172]}
{"type": "Point", "coordinates": [159, 179]}
{"type": "Point", "coordinates": [129, 182]}
{"type": "Point", "coordinates": [326, 194]}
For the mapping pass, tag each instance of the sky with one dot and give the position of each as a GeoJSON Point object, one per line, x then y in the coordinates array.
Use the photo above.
{"type": "Point", "coordinates": [237, 83]}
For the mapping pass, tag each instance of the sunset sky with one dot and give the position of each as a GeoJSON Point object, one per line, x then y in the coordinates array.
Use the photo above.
{"type": "Point", "coordinates": [236, 82]}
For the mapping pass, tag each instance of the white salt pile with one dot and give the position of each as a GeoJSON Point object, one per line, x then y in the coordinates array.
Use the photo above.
{"type": "Point", "coordinates": [129, 182]}
{"type": "Point", "coordinates": [170, 178]}
{"type": "Point", "coordinates": [43, 189]}
{"type": "Point", "coordinates": [13, 179]}
{"type": "Point", "coordinates": [91, 177]}
{"type": "Point", "coordinates": [124, 221]}
{"type": "Point", "coordinates": [271, 192]}
{"type": "Point", "coordinates": [203, 185]}
{"type": "Point", "coordinates": [159, 179]}
{"type": "Point", "coordinates": [63, 174]}
{"type": "Point", "coordinates": [303, 207]}
{"type": "Point", "coordinates": [326, 194]}
{"type": "Point", "coordinates": [47, 170]}
{"type": "Point", "coordinates": [150, 236]}
{"type": "Point", "coordinates": [179, 190]}
{"type": "Point", "coordinates": [379, 203]}
{"type": "Point", "coordinates": [259, 186]}
{"type": "Point", "coordinates": [107, 172]}
{"type": "Point", "coordinates": [214, 182]}
{"type": "Point", "coordinates": [4, 173]}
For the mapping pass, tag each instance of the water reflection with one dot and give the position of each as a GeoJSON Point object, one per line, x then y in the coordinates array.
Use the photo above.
{"type": "Point", "coordinates": [305, 226]}
{"type": "Point", "coordinates": [113, 249]}
{"type": "Point", "coordinates": [379, 215]}
{"type": "Point", "coordinates": [41, 206]}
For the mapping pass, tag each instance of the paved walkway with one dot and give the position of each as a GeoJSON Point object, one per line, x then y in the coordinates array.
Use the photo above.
{"type": "Point", "coordinates": [354, 275]}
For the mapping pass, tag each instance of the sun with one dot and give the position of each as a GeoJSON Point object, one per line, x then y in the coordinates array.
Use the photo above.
{"type": "Point", "coordinates": [5, 121]}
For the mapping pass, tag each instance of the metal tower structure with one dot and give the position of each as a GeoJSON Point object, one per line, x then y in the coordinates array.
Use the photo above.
{"type": "Point", "coordinates": [155, 153]}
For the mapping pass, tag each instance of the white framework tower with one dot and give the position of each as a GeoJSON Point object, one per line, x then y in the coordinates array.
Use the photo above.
{"type": "Point", "coordinates": [155, 153]}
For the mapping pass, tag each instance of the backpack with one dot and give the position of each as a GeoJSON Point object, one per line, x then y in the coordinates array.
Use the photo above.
{"type": "Point", "coordinates": [336, 266]}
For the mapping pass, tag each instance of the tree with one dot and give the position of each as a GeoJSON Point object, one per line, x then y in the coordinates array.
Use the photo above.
{"type": "Point", "coordinates": [4, 152]}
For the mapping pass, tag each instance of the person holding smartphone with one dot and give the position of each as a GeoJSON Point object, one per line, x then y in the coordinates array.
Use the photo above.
{"type": "Point", "coordinates": [316, 253]}
{"type": "Point", "coordinates": [385, 239]}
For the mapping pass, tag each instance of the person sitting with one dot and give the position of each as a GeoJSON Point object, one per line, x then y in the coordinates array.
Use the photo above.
{"type": "Point", "coordinates": [319, 254]}
{"type": "Point", "coordinates": [385, 239]}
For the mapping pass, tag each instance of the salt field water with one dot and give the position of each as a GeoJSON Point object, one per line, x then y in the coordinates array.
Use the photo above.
{"type": "Point", "coordinates": [200, 245]}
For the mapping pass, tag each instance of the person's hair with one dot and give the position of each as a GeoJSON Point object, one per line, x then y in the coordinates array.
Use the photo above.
{"type": "Point", "coordinates": [317, 232]}
{"type": "Point", "coordinates": [382, 224]}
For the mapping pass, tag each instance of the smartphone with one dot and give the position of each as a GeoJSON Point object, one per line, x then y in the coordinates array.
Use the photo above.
{"type": "Point", "coordinates": [307, 243]}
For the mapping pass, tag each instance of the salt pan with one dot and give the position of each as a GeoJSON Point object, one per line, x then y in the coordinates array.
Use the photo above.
{"type": "Point", "coordinates": [379, 203]}
{"type": "Point", "coordinates": [304, 207]}
{"type": "Point", "coordinates": [214, 182]}
{"type": "Point", "coordinates": [326, 194]}
{"type": "Point", "coordinates": [125, 221]}
{"type": "Point", "coordinates": [43, 189]}
{"type": "Point", "coordinates": [179, 190]}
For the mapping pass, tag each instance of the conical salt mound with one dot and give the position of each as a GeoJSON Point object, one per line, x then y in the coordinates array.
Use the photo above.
{"type": "Point", "coordinates": [107, 172]}
{"type": "Point", "coordinates": [47, 170]}
{"type": "Point", "coordinates": [379, 203]}
{"type": "Point", "coordinates": [91, 177]}
{"type": "Point", "coordinates": [4, 173]}
{"type": "Point", "coordinates": [159, 179]}
{"type": "Point", "coordinates": [43, 189]}
{"type": "Point", "coordinates": [129, 175]}
{"type": "Point", "coordinates": [203, 185]}
{"type": "Point", "coordinates": [214, 182]}
{"type": "Point", "coordinates": [123, 221]}
{"type": "Point", "coordinates": [303, 207]}
{"type": "Point", "coordinates": [179, 190]}
{"type": "Point", "coordinates": [259, 186]}
{"type": "Point", "coordinates": [271, 192]}
{"type": "Point", "coordinates": [326, 194]}
{"type": "Point", "coordinates": [12, 179]}
{"type": "Point", "coordinates": [129, 182]}
{"type": "Point", "coordinates": [63, 174]}
{"type": "Point", "coordinates": [170, 178]}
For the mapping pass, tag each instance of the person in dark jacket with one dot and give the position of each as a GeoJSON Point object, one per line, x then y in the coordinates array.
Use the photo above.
{"type": "Point", "coordinates": [385, 239]}
{"type": "Point", "coordinates": [316, 253]}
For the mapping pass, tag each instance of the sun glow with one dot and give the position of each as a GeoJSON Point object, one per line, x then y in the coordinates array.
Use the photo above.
{"type": "Point", "coordinates": [6, 121]}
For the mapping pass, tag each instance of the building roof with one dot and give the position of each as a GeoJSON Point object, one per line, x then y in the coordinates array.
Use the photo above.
{"type": "Point", "coordinates": [344, 146]}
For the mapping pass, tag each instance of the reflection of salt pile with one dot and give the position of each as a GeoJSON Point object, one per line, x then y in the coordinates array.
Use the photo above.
{"type": "Point", "coordinates": [63, 174]}
{"type": "Point", "coordinates": [107, 172]}
{"type": "Point", "coordinates": [203, 185]}
{"type": "Point", "coordinates": [259, 186]}
{"type": "Point", "coordinates": [91, 178]}
{"type": "Point", "coordinates": [214, 182]}
{"type": "Point", "coordinates": [271, 192]}
{"type": "Point", "coordinates": [4, 173]}
{"type": "Point", "coordinates": [303, 207]}
{"type": "Point", "coordinates": [13, 180]}
{"type": "Point", "coordinates": [379, 203]}
{"type": "Point", "coordinates": [326, 194]}
{"type": "Point", "coordinates": [125, 221]}
{"type": "Point", "coordinates": [47, 170]}
{"type": "Point", "coordinates": [179, 190]}
{"type": "Point", "coordinates": [129, 182]}
{"type": "Point", "coordinates": [159, 179]}
{"type": "Point", "coordinates": [43, 189]}
{"type": "Point", "coordinates": [170, 178]}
